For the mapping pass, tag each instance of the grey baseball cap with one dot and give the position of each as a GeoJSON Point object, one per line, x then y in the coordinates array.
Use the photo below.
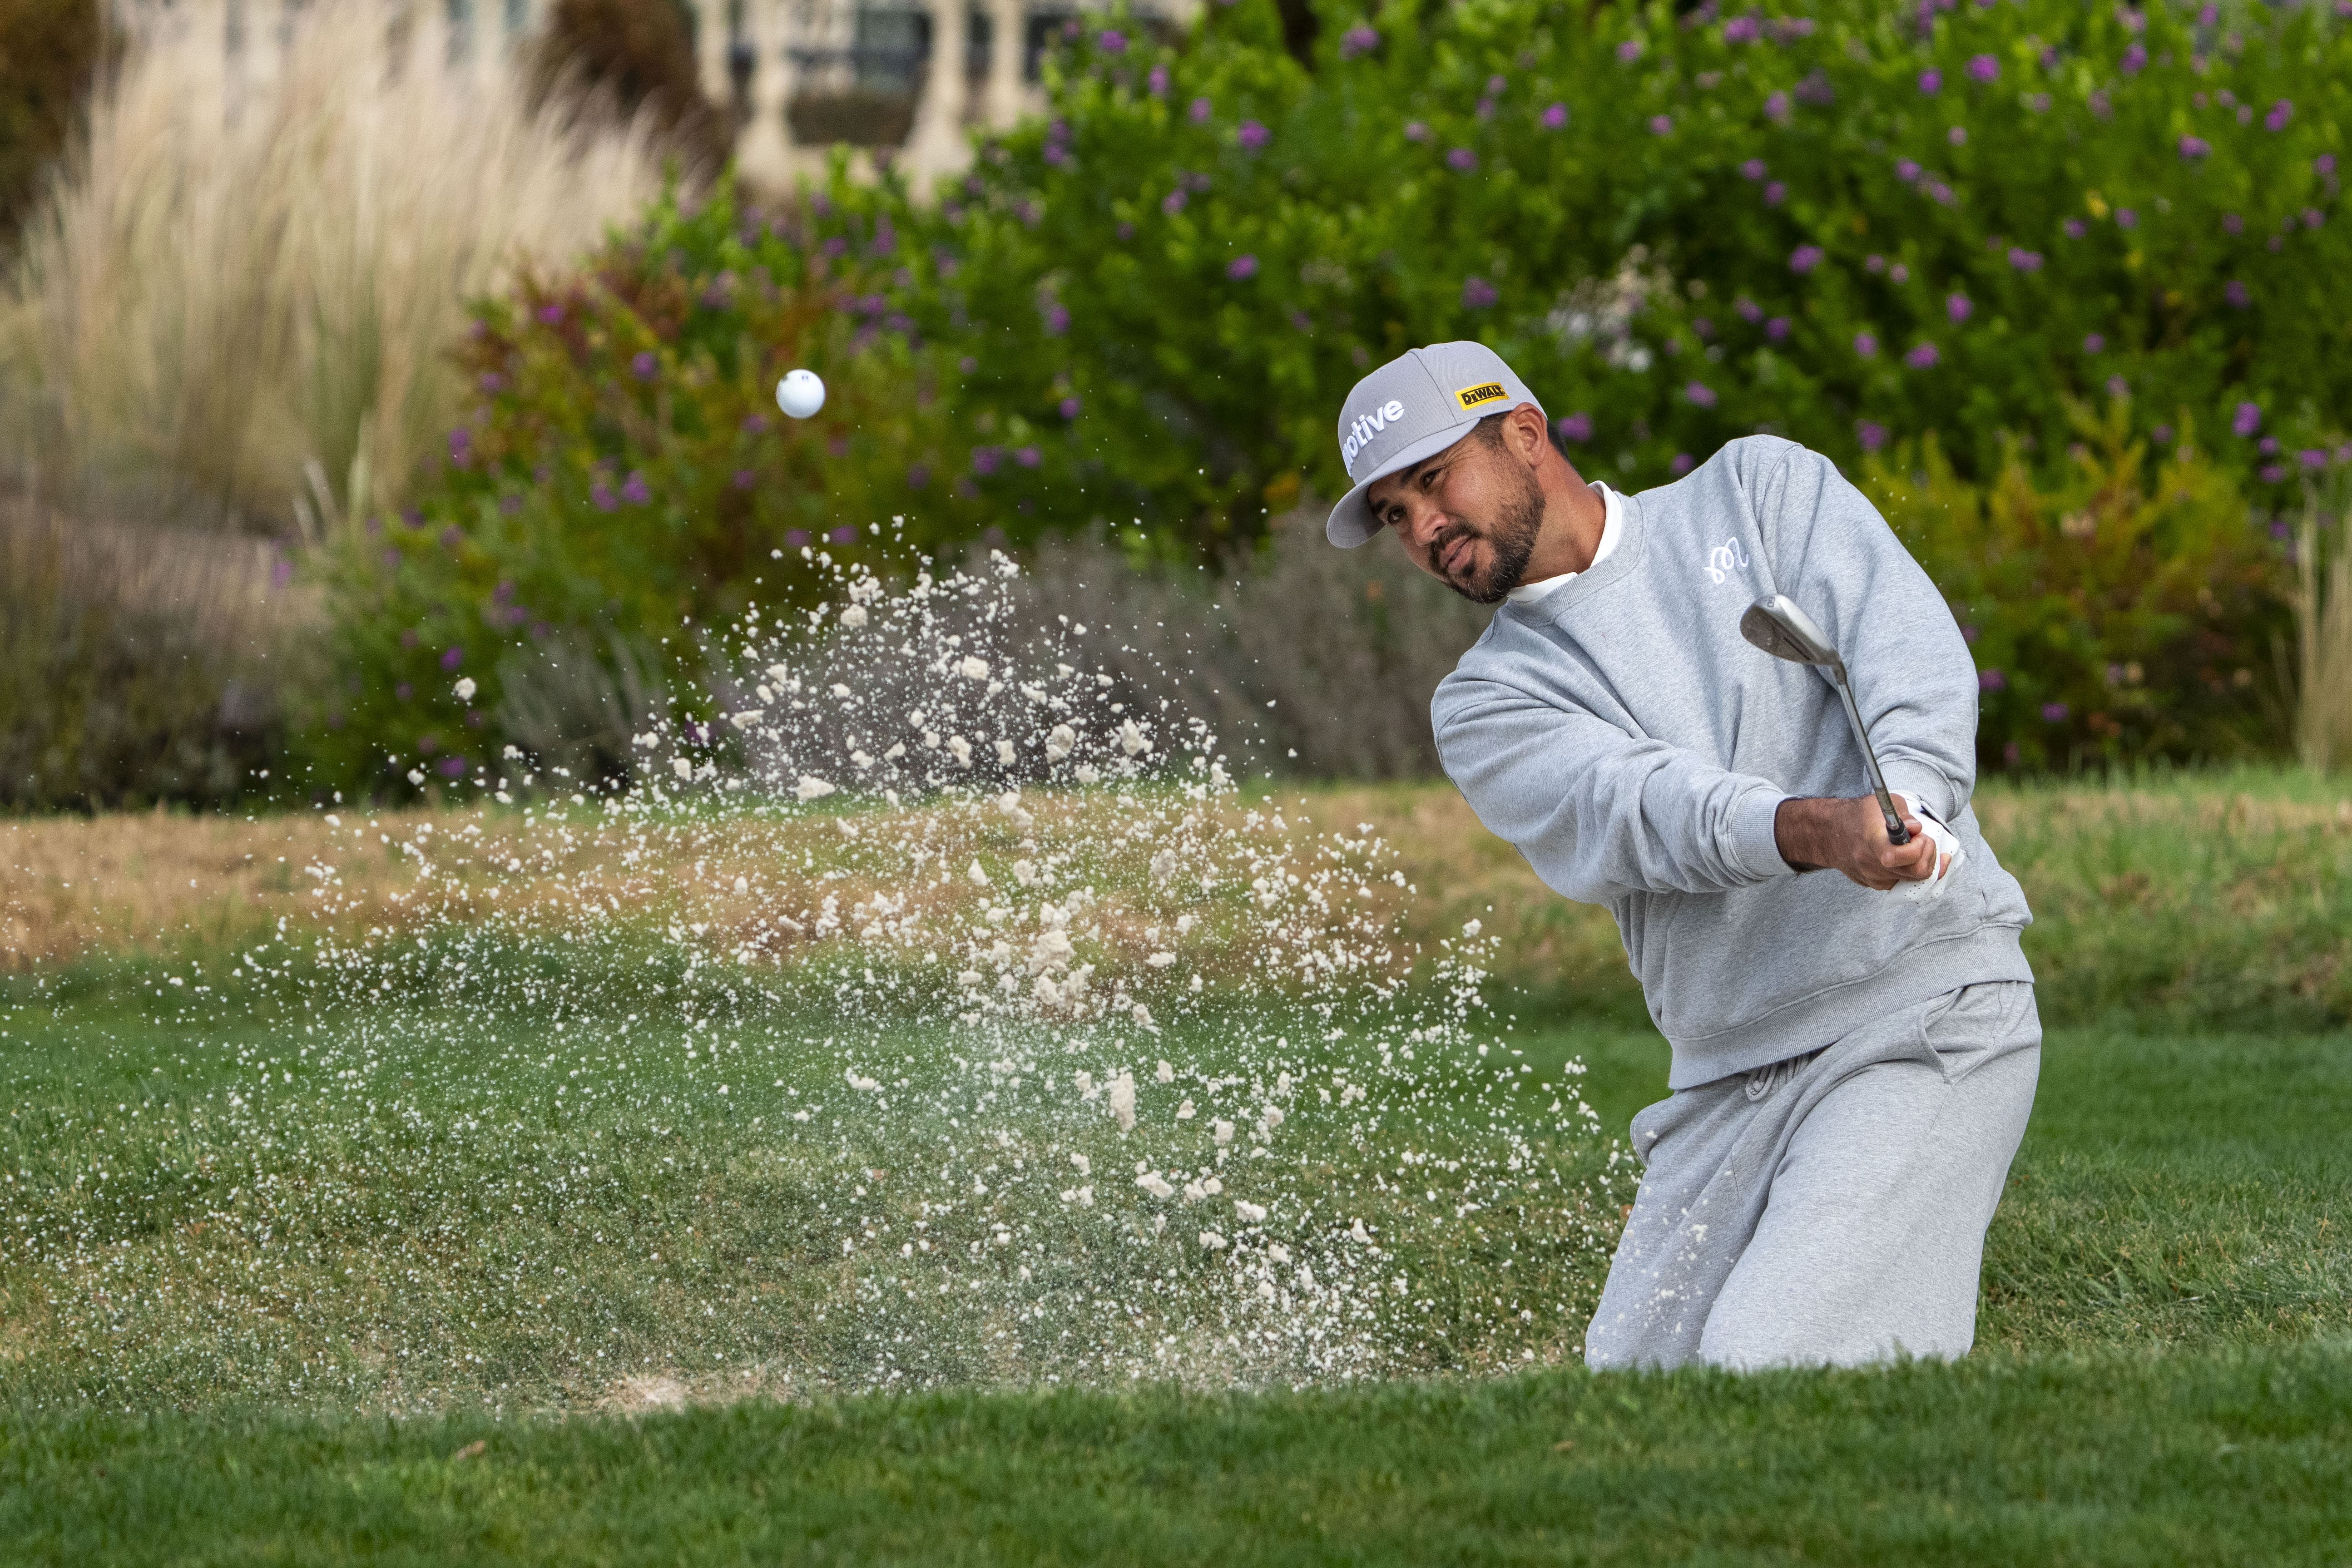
{"type": "Point", "coordinates": [1412, 407]}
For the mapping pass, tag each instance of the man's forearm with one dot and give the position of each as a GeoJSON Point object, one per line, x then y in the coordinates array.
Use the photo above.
{"type": "Point", "coordinates": [1799, 829]}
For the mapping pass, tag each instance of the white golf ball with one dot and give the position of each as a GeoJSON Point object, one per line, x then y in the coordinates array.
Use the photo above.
{"type": "Point", "coordinates": [801, 394]}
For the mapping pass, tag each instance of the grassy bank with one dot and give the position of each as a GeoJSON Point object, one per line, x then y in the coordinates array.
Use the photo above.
{"type": "Point", "coordinates": [2215, 901]}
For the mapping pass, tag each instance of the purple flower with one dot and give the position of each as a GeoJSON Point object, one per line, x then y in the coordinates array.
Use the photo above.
{"type": "Point", "coordinates": [1057, 319]}
{"type": "Point", "coordinates": [1699, 393]}
{"type": "Point", "coordinates": [1414, 131]}
{"type": "Point", "coordinates": [796, 537]}
{"type": "Point", "coordinates": [1931, 82]}
{"type": "Point", "coordinates": [1359, 39]}
{"type": "Point", "coordinates": [601, 497]}
{"type": "Point", "coordinates": [1629, 51]}
{"type": "Point", "coordinates": [984, 459]}
{"type": "Point", "coordinates": [1173, 203]}
{"type": "Point", "coordinates": [1242, 267]}
{"type": "Point", "coordinates": [1158, 81]}
{"type": "Point", "coordinates": [1028, 457]}
{"type": "Point", "coordinates": [1872, 437]}
{"type": "Point", "coordinates": [2281, 112]}
{"type": "Point", "coordinates": [2232, 224]}
{"type": "Point", "coordinates": [1753, 169]}
{"type": "Point", "coordinates": [1461, 160]}
{"type": "Point", "coordinates": [1776, 328]}
{"type": "Point", "coordinates": [2323, 166]}
{"type": "Point", "coordinates": [1477, 293]}
{"type": "Point", "coordinates": [2053, 712]}
{"type": "Point", "coordinates": [2094, 343]}
{"type": "Point", "coordinates": [461, 447]}
{"type": "Point", "coordinates": [1775, 194]}
{"type": "Point", "coordinates": [1742, 30]}
{"type": "Point", "coordinates": [1984, 67]}
{"type": "Point", "coordinates": [1776, 107]}
{"type": "Point", "coordinates": [1991, 680]}
{"type": "Point", "coordinates": [2075, 228]}
{"type": "Point", "coordinates": [844, 534]}
{"type": "Point", "coordinates": [453, 767]}
{"type": "Point", "coordinates": [2134, 59]}
{"type": "Point", "coordinates": [1070, 407]}
{"type": "Point", "coordinates": [1112, 41]}
{"type": "Point", "coordinates": [2118, 387]}
{"type": "Point", "coordinates": [1661, 125]}
{"type": "Point", "coordinates": [2127, 218]}
{"type": "Point", "coordinates": [1555, 116]}
{"type": "Point", "coordinates": [1906, 170]}
{"type": "Point", "coordinates": [2247, 419]}
{"type": "Point", "coordinates": [2312, 457]}
{"type": "Point", "coordinates": [1926, 356]}
{"type": "Point", "coordinates": [2024, 260]}
{"type": "Point", "coordinates": [1805, 257]}
{"type": "Point", "coordinates": [1958, 307]}
{"type": "Point", "coordinates": [493, 383]}
{"type": "Point", "coordinates": [2269, 445]}
{"type": "Point", "coordinates": [646, 365]}
{"type": "Point", "coordinates": [1682, 463]}
{"type": "Point", "coordinates": [1748, 310]}
{"type": "Point", "coordinates": [403, 692]}
{"type": "Point", "coordinates": [1200, 111]}
{"type": "Point", "coordinates": [1252, 136]}
{"type": "Point", "coordinates": [1574, 427]}
{"type": "Point", "coordinates": [1866, 345]}
{"type": "Point", "coordinates": [551, 315]}
{"type": "Point", "coordinates": [745, 479]}
{"type": "Point", "coordinates": [2194, 147]}
{"type": "Point", "coordinates": [451, 657]}
{"type": "Point", "coordinates": [1967, 634]}
{"type": "Point", "coordinates": [2272, 474]}
{"type": "Point", "coordinates": [2236, 293]}
{"type": "Point", "coordinates": [2311, 219]}
{"type": "Point", "coordinates": [634, 491]}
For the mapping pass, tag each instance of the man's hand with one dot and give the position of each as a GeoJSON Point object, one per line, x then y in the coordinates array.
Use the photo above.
{"type": "Point", "coordinates": [1819, 834]}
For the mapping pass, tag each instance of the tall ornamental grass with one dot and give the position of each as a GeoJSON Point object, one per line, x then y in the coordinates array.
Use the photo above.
{"type": "Point", "coordinates": [236, 306]}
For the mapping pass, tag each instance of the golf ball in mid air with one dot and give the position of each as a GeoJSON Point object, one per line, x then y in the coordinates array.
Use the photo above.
{"type": "Point", "coordinates": [801, 394]}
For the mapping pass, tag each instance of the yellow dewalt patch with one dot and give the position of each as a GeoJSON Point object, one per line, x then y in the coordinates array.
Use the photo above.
{"type": "Point", "coordinates": [1479, 396]}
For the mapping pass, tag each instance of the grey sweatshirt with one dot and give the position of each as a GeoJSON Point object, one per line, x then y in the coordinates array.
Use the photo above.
{"type": "Point", "coordinates": [1635, 748]}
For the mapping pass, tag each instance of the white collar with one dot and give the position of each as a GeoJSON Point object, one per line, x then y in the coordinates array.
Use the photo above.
{"type": "Point", "coordinates": [1612, 525]}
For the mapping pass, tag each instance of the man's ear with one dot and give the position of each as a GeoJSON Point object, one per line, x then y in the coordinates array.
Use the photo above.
{"type": "Point", "coordinates": [1528, 437]}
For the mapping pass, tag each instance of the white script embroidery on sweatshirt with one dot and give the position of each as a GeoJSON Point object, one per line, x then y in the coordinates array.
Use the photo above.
{"type": "Point", "coordinates": [1724, 557]}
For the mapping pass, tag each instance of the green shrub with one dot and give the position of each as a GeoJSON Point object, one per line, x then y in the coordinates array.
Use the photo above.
{"type": "Point", "coordinates": [1856, 227]}
{"type": "Point", "coordinates": [622, 477]}
{"type": "Point", "coordinates": [2125, 613]}
{"type": "Point", "coordinates": [50, 55]}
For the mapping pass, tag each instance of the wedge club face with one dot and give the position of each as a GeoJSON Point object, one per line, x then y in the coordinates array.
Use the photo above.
{"type": "Point", "coordinates": [1777, 626]}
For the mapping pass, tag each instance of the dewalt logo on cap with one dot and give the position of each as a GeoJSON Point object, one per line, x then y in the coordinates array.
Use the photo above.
{"type": "Point", "coordinates": [1472, 398]}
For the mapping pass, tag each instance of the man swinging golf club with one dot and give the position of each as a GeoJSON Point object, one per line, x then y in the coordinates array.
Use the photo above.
{"type": "Point", "coordinates": [1852, 1064]}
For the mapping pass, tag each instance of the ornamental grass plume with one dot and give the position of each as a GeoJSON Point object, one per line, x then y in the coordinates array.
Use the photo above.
{"type": "Point", "coordinates": [238, 277]}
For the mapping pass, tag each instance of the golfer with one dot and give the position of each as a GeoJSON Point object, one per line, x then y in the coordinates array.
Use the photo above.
{"type": "Point", "coordinates": [1856, 1042]}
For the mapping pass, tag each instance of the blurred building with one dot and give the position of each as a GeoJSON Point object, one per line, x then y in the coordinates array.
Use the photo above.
{"type": "Point", "coordinates": [908, 79]}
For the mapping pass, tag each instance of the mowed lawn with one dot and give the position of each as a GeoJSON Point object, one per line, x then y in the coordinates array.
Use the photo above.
{"type": "Point", "coordinates": [2166, 1377]}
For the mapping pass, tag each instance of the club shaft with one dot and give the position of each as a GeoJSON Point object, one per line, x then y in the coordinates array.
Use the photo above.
{"type": "Point", "coordinates": [1895, 832]}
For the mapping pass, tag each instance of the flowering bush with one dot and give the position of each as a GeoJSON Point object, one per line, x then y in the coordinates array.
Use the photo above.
{"type": "Point", "coordinates": [1853, 226]}
{"type": "Point", "coordinates": [2124, 613]}
{"type": "Point", "coordinates": [623, 474]}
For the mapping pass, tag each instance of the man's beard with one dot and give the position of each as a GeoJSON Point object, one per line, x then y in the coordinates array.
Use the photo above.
{"type": "Point", "coordinates": [1512, 540]}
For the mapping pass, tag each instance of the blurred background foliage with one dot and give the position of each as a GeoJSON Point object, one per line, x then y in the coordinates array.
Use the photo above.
{"type": "Point", "coordinates": [2063, 287]}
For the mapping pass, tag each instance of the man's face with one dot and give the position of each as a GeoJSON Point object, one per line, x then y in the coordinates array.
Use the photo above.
{"type": "Point", "coordinates": [1468, 516]}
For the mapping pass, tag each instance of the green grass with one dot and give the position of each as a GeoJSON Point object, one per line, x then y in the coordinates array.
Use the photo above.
{"type": "Point", "coordinates": [2165, 1374]}
{"type": "Point", "coordinates": [2216, 1458]}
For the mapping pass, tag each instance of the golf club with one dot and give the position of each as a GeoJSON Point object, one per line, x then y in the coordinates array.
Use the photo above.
{"type": "Point", "coordinates": [1775, 625]}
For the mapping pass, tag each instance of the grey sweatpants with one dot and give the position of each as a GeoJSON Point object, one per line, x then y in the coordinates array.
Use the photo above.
{"type": "Point", "coordinates": [1829, 1209]}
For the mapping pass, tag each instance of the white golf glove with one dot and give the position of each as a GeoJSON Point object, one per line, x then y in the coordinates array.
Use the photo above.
{"type": "Point", "coordinates": [1949, 858]}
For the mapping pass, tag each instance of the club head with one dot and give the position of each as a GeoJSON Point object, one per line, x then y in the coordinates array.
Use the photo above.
{"type": "Point", "coordinates": [1775, 625]}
